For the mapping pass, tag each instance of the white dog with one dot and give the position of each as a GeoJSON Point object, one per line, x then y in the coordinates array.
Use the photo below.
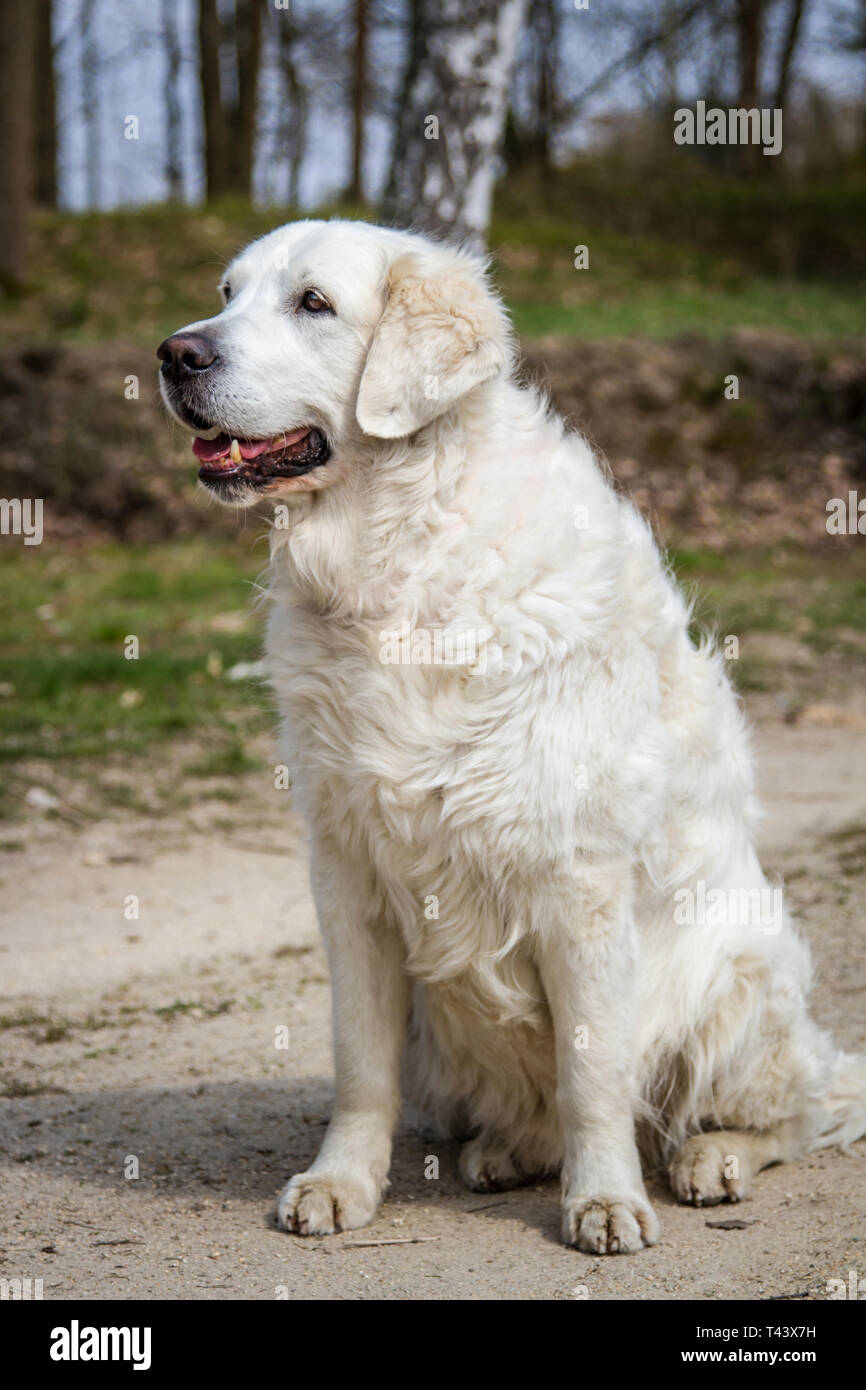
{"type": "Point", "coordinates": [529, 793]}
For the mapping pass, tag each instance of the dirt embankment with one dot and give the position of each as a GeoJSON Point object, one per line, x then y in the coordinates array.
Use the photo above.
{"type": "Point", "coordinates": [712, 468]}
{"type": "Point", "coordinates": [85, 430]}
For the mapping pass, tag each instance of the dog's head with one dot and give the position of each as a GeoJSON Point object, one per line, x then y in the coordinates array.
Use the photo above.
{"type": "Point", "coordinates": [330, 333]}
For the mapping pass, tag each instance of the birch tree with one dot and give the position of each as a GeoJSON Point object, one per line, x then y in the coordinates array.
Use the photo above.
{"type": "Point", "coordinates": [452, 115]}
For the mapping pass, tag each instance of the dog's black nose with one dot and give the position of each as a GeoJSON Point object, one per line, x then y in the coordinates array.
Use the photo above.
{"type": "Point", "coordinates": [186, 353]}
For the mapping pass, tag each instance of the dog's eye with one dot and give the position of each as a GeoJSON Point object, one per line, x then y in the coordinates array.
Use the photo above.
{"type": "Point", "coordinates": [314, 303]}
{"type": "Point", "coordinates": [226, 292]}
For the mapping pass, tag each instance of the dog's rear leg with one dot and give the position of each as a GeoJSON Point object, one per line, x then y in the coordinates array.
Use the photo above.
{"type": "Point", "coordinates": [719, 1166]}
{"type": "Point", "coordinates": [488, 1165]}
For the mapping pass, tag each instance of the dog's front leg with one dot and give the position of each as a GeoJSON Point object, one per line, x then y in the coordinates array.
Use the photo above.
{"type": "Point", "coordinates": [588, 970]}
{"type": "Point", "coordinates": [370, 998]}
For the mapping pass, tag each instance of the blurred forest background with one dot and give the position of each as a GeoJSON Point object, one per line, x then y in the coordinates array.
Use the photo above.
{"type": "Point", "coordinates": [141, 145]}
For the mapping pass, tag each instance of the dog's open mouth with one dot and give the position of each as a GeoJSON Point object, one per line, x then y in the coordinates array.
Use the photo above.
{"type": "Point", "coordinates": [257, 462]}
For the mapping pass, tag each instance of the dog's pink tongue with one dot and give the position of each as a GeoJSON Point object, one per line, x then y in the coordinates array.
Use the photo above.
{"type": "Point", "coordinates": [209, 450]}
{"type": "Point", "coordinates": [251, 448]}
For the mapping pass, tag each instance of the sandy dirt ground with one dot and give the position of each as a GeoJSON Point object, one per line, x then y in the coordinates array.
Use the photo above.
{"type": "Point", "coordinates": [149, 1118]}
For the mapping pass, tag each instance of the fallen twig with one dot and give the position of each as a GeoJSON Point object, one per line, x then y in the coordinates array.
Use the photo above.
{"type": "Point", "coordinates": [396, 1240]}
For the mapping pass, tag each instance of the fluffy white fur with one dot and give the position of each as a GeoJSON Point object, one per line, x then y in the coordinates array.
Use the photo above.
{"type": "Point", "coordinates": [496, 848]}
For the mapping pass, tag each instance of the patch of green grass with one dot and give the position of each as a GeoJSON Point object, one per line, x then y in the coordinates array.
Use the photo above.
{"type": "Point", "coordinates": [815, 601]}
{"type": "Point", "coordinates": [194, 1008]}
{"type": "Point", "coordinates": [65, 620]}
{"type": "Point", "coordinates": [222, 792]}
{"type": "Point", "coordinates": [54, 1033]}
{"type": "Point", "coordinates": [16, 1089]}
{"type": "Point", "coordinates": [849, 844]}
{"type": "Point", "coordinates": [636, 287]}
{"type": "Point", "coordinates": [25, 1018]}
{"type": "Point", "coordinates": [839, 606]}
{"type": "Point", "coordinates": [228, 761]}
{"type": "Point", "coordinates": [45, 1029]}
{"type": "Point", "coordinates": [815, 312]}
{"type": "Point", "coordinates": [289, 950]}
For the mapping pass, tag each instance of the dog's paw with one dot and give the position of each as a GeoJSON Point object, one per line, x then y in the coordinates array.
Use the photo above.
{"type": "Point", "coordinates": [485, 1166]}
{"type": "Point", "coordinates": [609, 1225]}
{"type": "Point", "coordinates": [711, 1168]}
{"type": "Point", "coordinates": [316, 1204]}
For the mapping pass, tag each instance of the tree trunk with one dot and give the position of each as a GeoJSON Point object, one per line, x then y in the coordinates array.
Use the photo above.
{"type": "Point", "coordinates": [44, 109]}
{"type": "Point", "coordinates": [355, 191]}
{"type": "Point", "coordinates": [171, 101]}
{"type": "Point", "coordinates": [293, 127]}
{"type": "Point", "coordinates": [670, 48]}
{"type": "Point", "coordinates": [750, 33]}
{"type": "Point", "coordinates": [16, 114]}
{"type": "Point", "coordinates": [789, 48]}
{"type": "Point", "coordinates": [452, 115]}
{"type": "Point", "coordinates": [215, 141]}
{"type": "Point", "coordinates": [543, 24]}
{"type": "Point", "coordinates": [242, 119]}
{"type": "Point", "coordinates": [229, 116]}
{"type": "Point", "coordinates": [750, 38]}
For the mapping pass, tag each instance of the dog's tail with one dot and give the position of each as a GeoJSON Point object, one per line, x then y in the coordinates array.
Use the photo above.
{"type": "Point", "coordinates": [842, 1117]}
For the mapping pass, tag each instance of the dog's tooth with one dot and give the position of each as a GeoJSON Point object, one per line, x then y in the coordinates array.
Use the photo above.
{"type": "Point", "coordinates": [235, 454]}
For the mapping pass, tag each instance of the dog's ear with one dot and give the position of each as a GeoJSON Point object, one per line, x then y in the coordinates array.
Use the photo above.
{"type": "Point", "coordinates": [442, 333]}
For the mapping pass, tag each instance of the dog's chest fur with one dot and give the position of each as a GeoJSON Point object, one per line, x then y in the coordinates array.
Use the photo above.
{"type": "Point", "coordinates": [469, 809]}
